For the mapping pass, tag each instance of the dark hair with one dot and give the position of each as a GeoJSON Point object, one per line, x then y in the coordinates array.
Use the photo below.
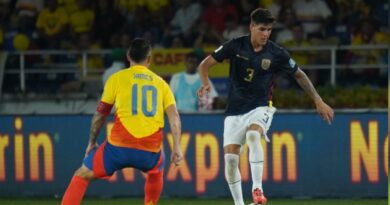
{"type": "Point", "coordinates": [139, 49]}
{"type": "Point", "coordinates": [192, 55]}
{"type": "Point", "coordinates": [261, 15]}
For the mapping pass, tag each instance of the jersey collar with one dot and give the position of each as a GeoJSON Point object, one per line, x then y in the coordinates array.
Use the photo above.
{"type": "Point", "coordinates": [138, 67]}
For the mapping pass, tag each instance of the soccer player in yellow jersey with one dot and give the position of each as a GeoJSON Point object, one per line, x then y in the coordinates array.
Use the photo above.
{"type": "Point", "coordinates": [140, 97]}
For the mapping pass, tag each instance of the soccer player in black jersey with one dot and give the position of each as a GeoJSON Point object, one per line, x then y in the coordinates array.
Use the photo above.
{"type": "Point", "coordinates": [254, 62]}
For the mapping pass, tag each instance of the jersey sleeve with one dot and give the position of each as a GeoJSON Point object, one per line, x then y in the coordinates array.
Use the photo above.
{"type": "Point", "coordinates": [224, 51]}
{"type": "Point", "coordinates": [109, 92]}
{"type": "Point", "coordinates": [287, 64]}
{"type": "Point", "coordinates": [168, 98]}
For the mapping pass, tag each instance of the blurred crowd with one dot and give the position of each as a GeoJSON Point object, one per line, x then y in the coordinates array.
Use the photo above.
{"type": "Point", "coordinates": [64, 24]}
{"type": "Point", "coordinates": [112, 24]}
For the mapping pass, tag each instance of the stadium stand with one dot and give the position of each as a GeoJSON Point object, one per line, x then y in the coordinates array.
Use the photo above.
{"type": "Point", "coordinates": [347, 45]}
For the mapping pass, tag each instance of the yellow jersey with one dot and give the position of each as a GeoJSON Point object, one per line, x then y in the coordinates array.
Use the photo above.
{"type": "Point", "coordinates": [140, 98]}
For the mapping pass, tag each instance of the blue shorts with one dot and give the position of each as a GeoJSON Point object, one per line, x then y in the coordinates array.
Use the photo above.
{"type": "Point", "coordinates": [106, 159]}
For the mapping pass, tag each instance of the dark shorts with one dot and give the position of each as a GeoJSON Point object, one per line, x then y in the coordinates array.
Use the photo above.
{"type": "Point", "coordinates": [107, 158]}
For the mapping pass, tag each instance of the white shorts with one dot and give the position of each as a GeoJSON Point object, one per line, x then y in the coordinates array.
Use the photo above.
{"type": "Point", "coordinates": [235, 126]}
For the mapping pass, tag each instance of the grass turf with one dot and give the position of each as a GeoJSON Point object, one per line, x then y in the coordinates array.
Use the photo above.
{"type": "Point", "coordinates": [193, 201]}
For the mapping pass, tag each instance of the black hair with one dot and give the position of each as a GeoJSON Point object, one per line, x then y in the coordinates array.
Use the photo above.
{"type": "Point", "coordinates": [192, 55]}
{"type": "Point", "coordinates": [261, 15]}
{"type": "Point", "coordinates": [139, 49]}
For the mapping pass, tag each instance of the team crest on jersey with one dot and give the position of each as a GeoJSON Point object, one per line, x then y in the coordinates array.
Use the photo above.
{"type": "Point", "coordinates": [265, 64]}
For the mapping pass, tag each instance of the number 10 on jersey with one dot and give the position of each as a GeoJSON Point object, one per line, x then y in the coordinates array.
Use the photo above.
{"type": "Point", "coordinates": [146, 98]}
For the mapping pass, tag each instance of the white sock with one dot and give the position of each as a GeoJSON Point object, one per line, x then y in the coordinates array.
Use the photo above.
{"type": "Point", "coordinates": [256, 158]}
{"type": "Point", "coordinates": [233, 177]}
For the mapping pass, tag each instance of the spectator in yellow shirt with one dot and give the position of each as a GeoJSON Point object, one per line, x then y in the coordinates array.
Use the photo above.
{"type": "Point", "coordinates": [151, 5]}
{"type": "Point", "coordinates": [51, 24]}
{"type": "Point", "coordinates": [82, 20]}
{"type": "Point", "coordinates": [369, 34]}
{"type": "Point", "coordinates": [70, 6]}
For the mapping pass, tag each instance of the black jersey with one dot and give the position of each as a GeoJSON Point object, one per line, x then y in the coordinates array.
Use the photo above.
{"type": "Point", "coordinates": [252, 73]}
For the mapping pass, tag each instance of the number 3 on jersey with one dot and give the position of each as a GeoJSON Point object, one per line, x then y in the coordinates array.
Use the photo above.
{"type": "Point", "coordinates": [250, 72]}
{"type": "Point", "coordinates": [146, 99]}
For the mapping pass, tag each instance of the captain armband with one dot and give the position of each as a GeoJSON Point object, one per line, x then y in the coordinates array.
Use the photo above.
{"type": "Point", "coordinates": [104, 108]}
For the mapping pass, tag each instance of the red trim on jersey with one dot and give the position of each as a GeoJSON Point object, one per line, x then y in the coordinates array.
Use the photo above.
{"type": "Point", "coordinates": [98, 164]}
{"type": "Point", "coordinates": [104, 108]}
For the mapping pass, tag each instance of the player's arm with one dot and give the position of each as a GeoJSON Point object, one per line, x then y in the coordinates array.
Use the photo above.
{"type": "Point", "coordinates": [175, 124]}
{"type": "Point", "coordinates": [204, 67]}
{"type": "Point", "coordinates": [323, 109]}
{"type": "Point", "coordinates": [97, 123]}
{"type": "Point", "coordinates": [98, 120]}
{"type": "Point", "coordinates": [102, 111]}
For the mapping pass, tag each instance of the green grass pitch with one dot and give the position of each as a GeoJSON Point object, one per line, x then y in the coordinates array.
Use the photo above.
{"type": "Point", "coordinates": [192, 201]}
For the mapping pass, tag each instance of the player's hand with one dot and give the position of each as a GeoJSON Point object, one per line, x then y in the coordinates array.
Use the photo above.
{"type": "Point", "coordinates": [176, 156]}
{"type": "Point", "coordinates": [203, 90]}
{"type": "Point", "coordinates": [325, 111]}
{"type": "Point", "coordinates": [90, 147]}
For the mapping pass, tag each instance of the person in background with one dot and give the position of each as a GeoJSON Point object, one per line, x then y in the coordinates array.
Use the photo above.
{"type": "Point", "coordinates": [27, 11]}
{"type": "Point", "coordinates": [233, 29]}
{"type": "Point", "coordinates": [117, 56]}
{"type": "Point", "coordinates": [302, 57]}
{"type": "Point", "coordinates": [368, 33]}
{"type": "Point", "coordinates": [107, 18]}
{"type": "Point", "coordinates": [214, 17]}
{"type": "Point", "coordinates": [314, 16]}
{"type": "Point", "coordinates": [52, 24]}
{"type": "Point", "coordinates": [183, 23]}
{"type": "Point", "coordinates": [82, 20]}
{"type": "Point", "coordinates": [185, 84]}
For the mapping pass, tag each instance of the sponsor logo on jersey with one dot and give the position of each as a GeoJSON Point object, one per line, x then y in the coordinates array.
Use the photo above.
{"type": "Point", "coordinates": [242, 57]}
{"type": "Point", "coordinates": [292, 63]}
{"type": "Point", "coordinates": [265, 64]}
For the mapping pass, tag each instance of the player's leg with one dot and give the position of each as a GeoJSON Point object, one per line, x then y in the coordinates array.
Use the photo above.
{"type": "Point", "coordinates": [116, 158]}
{"type": "Point", "coordinates": [256, 159]}
{"type": "Point", "coordinates": [93, 167]}
{"type": "Point", "coordinates": [259, 121]}
{"type": "Point", "coordinates": [232, 172]}
{"type": "Point", "coordinates": [77, 186]}
{"type": "Point", "coordinates": [153, 187]}
{"type": "Point", "coordinates": [233, 137]}
{"type": "Point", "coordinates": [154, 182]}
{"type": "Point", "coordinates": [256, 155]}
